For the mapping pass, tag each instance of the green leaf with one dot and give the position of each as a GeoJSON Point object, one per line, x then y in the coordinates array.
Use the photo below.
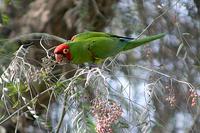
{"type": "Point", "coordinates": [179, 48]}
{"type": "Point", "coordinates": [91, 125]}
{"type": "Point", "coordinates": [5, 19]}
{"type": "Point", "coordinates": [13, 88]}
{"type": "Point", "coordinates": [15, 104]}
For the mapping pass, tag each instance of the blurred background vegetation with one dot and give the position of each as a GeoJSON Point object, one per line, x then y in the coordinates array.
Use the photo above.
{"type": "Point", "coordinates": [157, 85]}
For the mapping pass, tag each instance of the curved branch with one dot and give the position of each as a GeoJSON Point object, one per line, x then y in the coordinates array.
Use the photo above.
{"type": "Point", "coordinates": [31, 35]}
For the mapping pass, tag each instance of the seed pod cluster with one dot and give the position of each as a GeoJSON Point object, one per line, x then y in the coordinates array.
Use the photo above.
{"type": "Point", "coordinates": [106, 113]}
{"type": "Point", "coordinates": [194, 97]}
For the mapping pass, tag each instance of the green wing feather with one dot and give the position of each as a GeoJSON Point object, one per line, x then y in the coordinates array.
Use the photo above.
{"type": "Point", "coordinates": [103, 47]}
{"type": "Point", "coordinates": [89, 34]}
{"type": "Point", "coordinates": [135, 43]}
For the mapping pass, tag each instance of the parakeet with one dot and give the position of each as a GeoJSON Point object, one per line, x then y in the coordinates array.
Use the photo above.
{"type": "Point", "coordinates": [90, 47]}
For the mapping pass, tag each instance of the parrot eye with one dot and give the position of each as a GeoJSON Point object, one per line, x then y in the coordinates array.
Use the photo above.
{"type": "Point", "coordinates": [65, 51]}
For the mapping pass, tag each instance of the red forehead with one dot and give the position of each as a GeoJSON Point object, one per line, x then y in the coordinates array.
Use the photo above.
{"type": "Point", "coordinates": [60, 48]}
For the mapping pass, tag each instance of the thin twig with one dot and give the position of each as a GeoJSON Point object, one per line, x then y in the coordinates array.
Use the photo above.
{"type": "Point", "coordinates": [160, 73]}
{"type": "Point", "coordinates": [32, 100]}
{"type": "Point", "coordinates": [155, 19]}
{"type": "Point", "coordinates": [31, 35]}
{"type": "Point", "coordinates": [63, 114]}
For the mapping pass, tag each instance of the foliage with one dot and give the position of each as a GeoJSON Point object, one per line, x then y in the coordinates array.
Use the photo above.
{"type": "Point", "coordinates": [5, 19]}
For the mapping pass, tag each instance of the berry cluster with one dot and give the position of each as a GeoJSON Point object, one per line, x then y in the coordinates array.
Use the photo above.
{"type": "Point", "coordinates": [105, 113]}
{"type": "Point", "coordinates": [172, 100]}
{"type": "Point", "coordinates": [193, 96]}
{"type": "Point", "coordinates": [171, 96]}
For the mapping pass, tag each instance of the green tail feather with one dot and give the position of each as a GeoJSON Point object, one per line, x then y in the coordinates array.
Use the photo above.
{"type": "Point", "coordinates": [136, 43]}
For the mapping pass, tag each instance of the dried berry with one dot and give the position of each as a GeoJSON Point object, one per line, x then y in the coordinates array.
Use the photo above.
{"type": "Point", "coordinates": [105, 113]}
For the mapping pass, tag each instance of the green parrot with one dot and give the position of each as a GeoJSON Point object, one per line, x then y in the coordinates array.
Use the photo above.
{"type": "Point", "coordinates": [90, 47]}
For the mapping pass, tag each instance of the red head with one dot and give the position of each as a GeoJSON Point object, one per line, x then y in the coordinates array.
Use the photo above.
{"type": "Point", "coordinates": [62, 51]}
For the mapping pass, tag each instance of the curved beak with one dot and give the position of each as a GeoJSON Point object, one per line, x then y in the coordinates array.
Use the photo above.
{"type": "Point", "coordinates": [59, 58]}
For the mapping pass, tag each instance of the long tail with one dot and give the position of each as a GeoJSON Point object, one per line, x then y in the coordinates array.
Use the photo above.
{"type": "Point", "coordinates": [135, 43]}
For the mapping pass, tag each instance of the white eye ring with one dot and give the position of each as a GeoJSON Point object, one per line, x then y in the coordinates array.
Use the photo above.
{"type": "Point", "coordinates": [65, 51]}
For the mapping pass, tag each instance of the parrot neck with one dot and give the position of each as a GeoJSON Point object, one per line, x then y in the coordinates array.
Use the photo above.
{"type": "Point", "coordinates": [69, 56]}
